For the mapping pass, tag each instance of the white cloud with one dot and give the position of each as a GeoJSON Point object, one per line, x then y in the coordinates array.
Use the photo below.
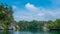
{"type": "Point", "coordinates": [40, 14]}
{"type": "Point", "coordinates": [36, 13]}
{"type": "Point", "coordinates": [14, 7]}
{"type": "Point", "coordinates": [31, 7]}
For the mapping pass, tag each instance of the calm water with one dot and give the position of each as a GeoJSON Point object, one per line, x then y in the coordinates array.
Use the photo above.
{"type": "Point", "coordinates": [28, 32]}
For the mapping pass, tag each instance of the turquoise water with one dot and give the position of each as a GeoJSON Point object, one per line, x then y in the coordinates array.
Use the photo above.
{"type": "Point", "coordinates": [27, 32]}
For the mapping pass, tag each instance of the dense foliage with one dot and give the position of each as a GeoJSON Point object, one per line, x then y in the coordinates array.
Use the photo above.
{"type": "Point", "coordinates": [54, 24]}
{"type": "Point", "coordinates": [6, 16]}
{"type": "Point", "coordinates": [29, 25]}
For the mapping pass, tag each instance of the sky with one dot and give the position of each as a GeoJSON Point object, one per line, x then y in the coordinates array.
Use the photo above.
{"type": "Point", "coordinates": [34, 9]}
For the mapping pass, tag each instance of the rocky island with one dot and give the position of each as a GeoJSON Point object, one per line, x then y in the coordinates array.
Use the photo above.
{"type": "Point", "coordinates": [6, 18]}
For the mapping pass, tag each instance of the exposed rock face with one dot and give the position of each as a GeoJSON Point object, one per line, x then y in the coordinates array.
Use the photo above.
{"type": "Point", "coordinates": [12, 26]}
{"type": "Point", "coordinates": [1, 28]}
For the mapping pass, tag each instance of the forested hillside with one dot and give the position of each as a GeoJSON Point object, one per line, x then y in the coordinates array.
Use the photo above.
{"type": "Point", "coordinates": [39, 25]}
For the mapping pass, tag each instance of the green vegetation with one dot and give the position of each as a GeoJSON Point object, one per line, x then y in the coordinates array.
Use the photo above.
{"type": "Point", "coordinates": [54, 24]}
{"type": "Point", "coordinates": [6, 17]}
{"type": "Point", "coordinates": [29, 25]}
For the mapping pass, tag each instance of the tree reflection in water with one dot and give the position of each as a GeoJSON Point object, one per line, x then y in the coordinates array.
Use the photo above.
{"type": "Point", "coordinates": [27, 32]}
{"type": "Point", "coordinates": [6, 32]}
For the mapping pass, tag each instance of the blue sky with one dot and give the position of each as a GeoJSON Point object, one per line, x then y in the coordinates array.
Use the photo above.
{"type": "Point", "coordinates": [34, 9]}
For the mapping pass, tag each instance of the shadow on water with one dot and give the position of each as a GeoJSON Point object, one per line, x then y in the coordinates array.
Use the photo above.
{"type": "Point", "coordinates": [54, 32]}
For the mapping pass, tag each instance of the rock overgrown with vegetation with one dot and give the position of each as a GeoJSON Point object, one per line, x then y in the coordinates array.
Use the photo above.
{"type": "Point", "coordinates": [6, 17]}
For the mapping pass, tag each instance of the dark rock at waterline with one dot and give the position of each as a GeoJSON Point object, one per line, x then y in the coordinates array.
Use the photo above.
{"type": "Point", "coordinates": [54, 30]}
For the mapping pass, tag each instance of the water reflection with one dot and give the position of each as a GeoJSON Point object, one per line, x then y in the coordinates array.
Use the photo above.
{"type": "Point", "coordinates": [27, 32]}
{"type": "Point", "coordinates": [33, 32]}
{"type": "Point", "coordinates": [6, 32]}
{"type": "Point", "coordinates": [54, 32]}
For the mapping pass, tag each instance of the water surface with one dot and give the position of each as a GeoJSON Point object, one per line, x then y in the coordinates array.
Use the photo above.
{"type": "Point", "coordinates": [27, 32]}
